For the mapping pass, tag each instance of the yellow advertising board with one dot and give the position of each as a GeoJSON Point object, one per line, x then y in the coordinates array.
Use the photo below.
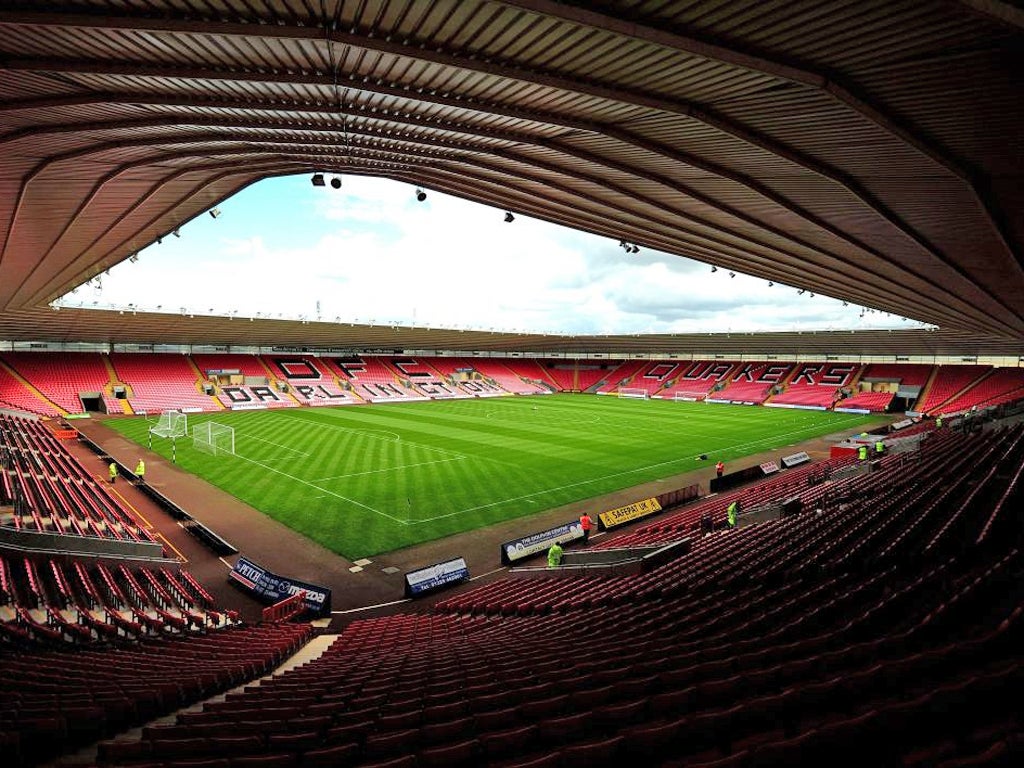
{"type": "Point", "coordinates": [634, 511]}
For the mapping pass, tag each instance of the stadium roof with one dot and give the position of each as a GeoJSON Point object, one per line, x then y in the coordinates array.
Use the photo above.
{"type": "Point", "coordinates": [869, 150]}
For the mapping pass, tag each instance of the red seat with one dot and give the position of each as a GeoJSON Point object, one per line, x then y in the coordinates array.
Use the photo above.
{"type": "Point", "coordinates": [594, 754]}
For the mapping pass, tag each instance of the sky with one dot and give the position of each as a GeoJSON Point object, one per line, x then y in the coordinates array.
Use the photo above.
{"type": "Point", "coordinates": [371, 253]}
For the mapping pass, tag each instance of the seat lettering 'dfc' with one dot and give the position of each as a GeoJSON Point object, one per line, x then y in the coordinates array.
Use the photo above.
{"type": "Point", "coordinates": [296, 369]}
{"type": "Point", "coordinates": [240, 395]}
{"type": "Point", "coordinates": [351, 367]}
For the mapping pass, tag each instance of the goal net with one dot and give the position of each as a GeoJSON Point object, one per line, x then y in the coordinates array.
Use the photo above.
{"type": "Point", "coordinates": [171, 424]}
{"type": "Point", "coordinates": [639, 394]}
{"type": "Point", "coordinates": [213, 438]}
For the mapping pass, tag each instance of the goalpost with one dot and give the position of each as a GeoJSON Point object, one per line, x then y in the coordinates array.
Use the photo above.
{"type": "Point", "coordinates": [172, 424]}
{"type": "Point", "coordinates": [213, 438]}
{"type": "Point", "coordinates": [636, 393]}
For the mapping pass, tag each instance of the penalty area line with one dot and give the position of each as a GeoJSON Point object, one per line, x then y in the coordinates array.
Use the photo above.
{"type": "Point", "coordinates": [387, 469]}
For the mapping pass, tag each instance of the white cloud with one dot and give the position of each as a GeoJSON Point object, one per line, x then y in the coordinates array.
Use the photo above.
{"type": "Point", "coordinates": [370, 251]}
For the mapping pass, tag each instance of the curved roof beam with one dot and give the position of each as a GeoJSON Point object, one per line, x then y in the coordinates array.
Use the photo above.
{"type": "Point", "coordinates": [830, 83]}
{"type": "Point", "coordinates": [790, 154]}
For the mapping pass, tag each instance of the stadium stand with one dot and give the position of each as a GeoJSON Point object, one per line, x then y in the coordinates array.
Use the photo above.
{"type": "Point", "coordinates": [65, 377]}
{"type": "Point", "coordinates": [950, 381]}
{"type": "Point", "coordinates": [371, 378]}
{"type": "Point", "coordinates": [16, 396]}
{"type": "Point", "coordinates": [563, 374]}
{"type": "Point", "coordinates": [653, 376]}
{"type": "Point", "coordinates": [776, 644]}
{"type": "Point", "coordinates": [876, 402]}
{"type": "Point", "coordinates": [162, 382]}
{"type": "Point", "coordinates": [515, 376]}
{"type": "Point", "coordinates": [695, 380]}
{"type": "Point", "coordinates": [816, 385]}
{"type": "Point", "coordinates": [1001, 386]}
{"type": "Point", "coordinates": [622, 376]}
{"type": "Point", "coordinates": [752, 382]}
{"type": "Point", "coordinates": [907, 374]}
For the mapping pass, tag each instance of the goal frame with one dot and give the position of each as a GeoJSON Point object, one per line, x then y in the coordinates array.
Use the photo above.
{"type": "Point", "coordinates": [214, 438]}
{"type": "Point", "coordinates": [634, 393]}
{"type": "Point", "coordinates": [172, 424]}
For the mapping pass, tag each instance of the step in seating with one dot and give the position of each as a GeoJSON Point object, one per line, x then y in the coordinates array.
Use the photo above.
{"type": "Point", "coordinates": [876, 402]}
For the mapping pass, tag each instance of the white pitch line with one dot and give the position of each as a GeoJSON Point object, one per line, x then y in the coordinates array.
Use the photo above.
{"type": "Point", "coordinates": [603, 477]}
{"type": "Point", "coordinates": [386, 469]}
{"type": "Point", "coordinates": [369, 433]}
{"type": "Point", "coordinates": [271, 442]}
{"type": "Point", "coordinates": [371, 607]}
{"type": "Point", "coordinates": [317, 487]}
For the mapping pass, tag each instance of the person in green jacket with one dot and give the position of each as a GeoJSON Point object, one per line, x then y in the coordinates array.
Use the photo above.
{"type": "Point", "coordinates": [879, 448]}
{"type": "Point", "coordinates": [112, 469]}
{"type": "Point", "coordinates": [555, 555]}
{"type": "Point", "coordinates": [862, 452]}
{"type": "Point", "coordinates": [140, 471]}
{"type": "Point", "coordinates": [730, 514]}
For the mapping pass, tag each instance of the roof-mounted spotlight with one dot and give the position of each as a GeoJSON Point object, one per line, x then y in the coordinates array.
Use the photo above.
{"type": "Point", "coordinates": [635, 249]}
{"type": "Point", "coordinates": [732, 274]}
{"type": "Point", "coordinates": [336, 182]}
{"type": "Point", "coordinates": [421, 195]}
{"type": "Point", "coordinates": [214, 213]}
{"type": "Point", "coordinates": [770, 283]}
{"type": "Point", "coordinates": [800, 292]}
{"type": "Point", "coordinates": [317, 180]}
{"type": "Point", "coordinates": [176, 233]}
{"type": "Point", "coordinates": [509, 218]}
{"type": "Point", "coordinates": [713, 269]}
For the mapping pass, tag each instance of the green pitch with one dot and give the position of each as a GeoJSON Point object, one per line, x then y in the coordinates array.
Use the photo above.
{"type": "Point", "coordinates": [368, 479]}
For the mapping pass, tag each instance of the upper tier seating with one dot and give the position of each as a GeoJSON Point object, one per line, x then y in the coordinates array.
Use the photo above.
{"type": "Point", "coordinates": [63, 377]}
{"type": "Point", "coordinates": [846, 637]}
{"type": "Point", "coordinates": [949, 380]}
{"type": "Point", "coordinates": [161, 382]}
{"type": "Point", "coordinates": [696, 379]}
{"type": "Point", "coordinates": [1002, 386]}
{"type": "Point", "coordinates": [817, 384]}
{"type": "Point", "coordinates": [876, 402]}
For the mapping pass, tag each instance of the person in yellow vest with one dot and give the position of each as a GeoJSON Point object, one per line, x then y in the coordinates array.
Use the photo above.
{"type": "Point", "coordinates": [112, 469]}
{"type": "Point", "coordinates": [862, 452]}
{"type": "Point", "coordinates": [730, 514]}
{"type": "Point", "coordinates": [879, 447]}
{"type": "Point", "coordinates": [140, 471]}
{"type": "Point", "coordinates": [555, 555]}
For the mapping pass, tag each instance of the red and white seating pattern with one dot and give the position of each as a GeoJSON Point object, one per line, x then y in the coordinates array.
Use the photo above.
{"type": "Point", "coordinates": [161, 382]}
{"type": "Point", "coordinates": [876, 402]}
{"type": "Point", "coordinates": [63, 377]}
{"type": "Point", "coordinates": [816, 384]}
{"type": "Point", "coordinates": [696, 379]}
{"type": "Point", "coordinates": [13, 395]}
{"type": "Point", "coordinates": [949, 381]}
{"type": "Point", "coordinates": [1002, 386]}
{"type": "Point", "coordinates": [371, 378]}
{"type": "Point", "coordinates": [907, 374]}
{"type": "Point", "coordinates": [621, 377]}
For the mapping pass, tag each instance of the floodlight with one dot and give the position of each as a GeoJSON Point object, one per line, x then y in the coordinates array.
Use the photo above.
{"type": "Point", "coordinates": [421, 195]}
{"type": "Point", "coordinates": [336, 182]}
{"type": "Point", "coordinates": [176, 233]}
{"type": "Point", "coordinates": [509, 217]}
{"type": "Point", "coordinates": [214, 213]}
{"type": "Point", "coordinates": [713, 269]}
{"type": "Point", "coordinates": [800, 292]}
{"type": "Point", "coordinates": [317, 180]}
{"type": "Point", "coordinates": [635, 249]}
{"type": "Point", "coordinates": [770, 283]}
{"type": "Point", "coordinates": [732, 274]}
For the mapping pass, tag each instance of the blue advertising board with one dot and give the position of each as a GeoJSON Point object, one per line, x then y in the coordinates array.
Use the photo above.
{"type": "Point", "coordinates": [272, 588]}
{"type": "Point", "coordinates": [517, 549]}
{"type": "Point", "coordinates": [435, 576]}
